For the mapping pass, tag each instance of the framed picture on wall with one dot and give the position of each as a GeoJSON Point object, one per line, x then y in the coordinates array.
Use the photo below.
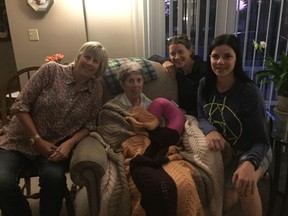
{"type": "Point", "coordinates": [41, 5]}
{"type": "Point", "coordinates": [4, 27]}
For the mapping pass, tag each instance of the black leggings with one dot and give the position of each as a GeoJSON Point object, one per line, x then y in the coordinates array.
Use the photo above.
{"type": "Point", "coordinates": [157, 188]}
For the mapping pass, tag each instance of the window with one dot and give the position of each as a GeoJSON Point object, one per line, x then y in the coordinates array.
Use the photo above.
{"type": "Point", "coordinates": [189, 17]}
{"type": "Point", "coordinates": [248, 19]}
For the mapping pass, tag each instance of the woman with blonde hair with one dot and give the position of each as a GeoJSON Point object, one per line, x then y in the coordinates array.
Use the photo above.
{"type": "Point", "coordinates": [56, 109]}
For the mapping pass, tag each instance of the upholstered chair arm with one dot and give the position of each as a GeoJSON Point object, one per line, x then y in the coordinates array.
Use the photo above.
{"type": "Point", "coordinates": [88, 164]}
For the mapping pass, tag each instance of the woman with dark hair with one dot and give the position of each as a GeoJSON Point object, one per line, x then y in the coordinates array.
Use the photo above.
{"type": "Point", "coordinates": [231, 114]}
{"type": "Point", "coordinates": [186, 67]}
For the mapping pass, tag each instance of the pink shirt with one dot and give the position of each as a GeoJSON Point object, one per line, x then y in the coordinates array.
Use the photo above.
{"type": "Point", "coordinates": [57, 111]}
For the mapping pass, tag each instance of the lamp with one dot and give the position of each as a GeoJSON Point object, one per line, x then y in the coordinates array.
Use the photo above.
{"type": "Point", "coordinates": [85, 20]}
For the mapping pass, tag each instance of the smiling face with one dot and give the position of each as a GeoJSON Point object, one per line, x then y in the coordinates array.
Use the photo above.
{"type": "Point", "coordinates": [87, 65]}
{"type": "Point", "coordinates": [223, 59]}
{"type": "Point", "coordinates": [92, 60]}
{"type": "Point", "coordinates": [180, 56]}
{"type": "Point", "coordinates": [133, 86]}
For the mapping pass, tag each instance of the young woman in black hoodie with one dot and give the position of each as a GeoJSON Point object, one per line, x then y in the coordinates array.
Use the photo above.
{"type": "Point", "coordinates": [231, 112]}
{"type": "Point", "coordinates": [186, 67]}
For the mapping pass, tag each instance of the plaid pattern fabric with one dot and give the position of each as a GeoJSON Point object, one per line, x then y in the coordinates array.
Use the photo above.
{"type": "Point", "coordinates": [114, 64]}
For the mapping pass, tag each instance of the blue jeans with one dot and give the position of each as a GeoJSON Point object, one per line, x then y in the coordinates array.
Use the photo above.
{"type": "Point", "coordinates": [52, 181]}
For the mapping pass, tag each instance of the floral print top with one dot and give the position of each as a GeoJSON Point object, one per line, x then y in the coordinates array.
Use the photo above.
{"type": "Point", "coordinates": [57, 110]}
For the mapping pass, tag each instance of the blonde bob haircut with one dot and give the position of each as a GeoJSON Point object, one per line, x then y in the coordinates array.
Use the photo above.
{"type": "Point", "coordinates": [97, 51]}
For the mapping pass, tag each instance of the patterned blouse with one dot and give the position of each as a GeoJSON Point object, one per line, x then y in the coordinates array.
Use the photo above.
{"type": "Point", "coordinates": [55, 107]}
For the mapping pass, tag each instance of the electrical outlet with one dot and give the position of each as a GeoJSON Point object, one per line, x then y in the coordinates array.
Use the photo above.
{"type": "Point", "coordinates": [33, 34]}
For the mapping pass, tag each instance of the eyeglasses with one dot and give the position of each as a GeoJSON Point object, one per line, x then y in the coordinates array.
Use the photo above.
{"type": "Point", "coordinates": [177, 37]}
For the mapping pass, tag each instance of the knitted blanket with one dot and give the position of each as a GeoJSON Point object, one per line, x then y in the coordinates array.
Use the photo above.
{"type": "Point", "coordinates": [209, 164]}
{"type": "Point", "coordinates": [119, 193]}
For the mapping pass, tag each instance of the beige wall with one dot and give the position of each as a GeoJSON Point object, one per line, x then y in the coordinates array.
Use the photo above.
{"type": "Point", "coordinates": [62, 29]}
{"type": "Point", "coordinates": [112, 22]}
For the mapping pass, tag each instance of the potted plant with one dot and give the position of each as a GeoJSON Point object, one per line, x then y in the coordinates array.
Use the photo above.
{"type": "Point", "coordinates": [275, 72]}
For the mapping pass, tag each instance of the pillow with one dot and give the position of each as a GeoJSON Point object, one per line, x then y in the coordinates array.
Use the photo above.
{"type": "Point", "coordinates": [114, 64]}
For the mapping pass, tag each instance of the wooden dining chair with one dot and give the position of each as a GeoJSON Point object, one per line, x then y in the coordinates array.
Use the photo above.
{"type": "Point", "coordinates": [8, 94]}
{"type": "Point", "coordinates": [11, 89]}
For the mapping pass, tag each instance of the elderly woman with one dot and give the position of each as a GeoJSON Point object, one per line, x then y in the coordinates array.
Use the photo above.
{"type": "Point", "coordinates": [145, 155]}
{"type": "Point", "coordinates": [55, 110]}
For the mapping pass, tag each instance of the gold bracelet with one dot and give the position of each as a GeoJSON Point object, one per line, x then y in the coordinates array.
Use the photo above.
{"type": "Point", "coordinates": [33, 139]}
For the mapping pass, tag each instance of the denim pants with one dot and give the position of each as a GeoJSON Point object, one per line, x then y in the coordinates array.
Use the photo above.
{"type": "Point", "coordinates": [52, 182]}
